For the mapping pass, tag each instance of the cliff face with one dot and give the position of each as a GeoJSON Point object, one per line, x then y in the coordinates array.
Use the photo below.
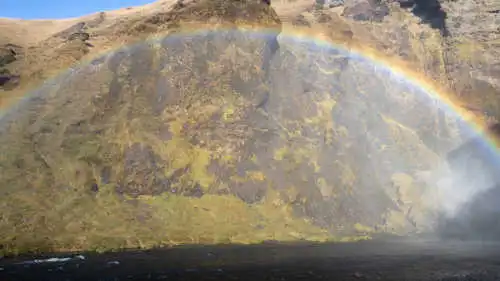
{"type": "Point", "coordinates": [454, 44]}
{"type": "Point", "coordinates": [467, 42]}
{"type": "Point", "coordinates": [222, 137]}
{"type": "Point", "coordinates": [473, 51]}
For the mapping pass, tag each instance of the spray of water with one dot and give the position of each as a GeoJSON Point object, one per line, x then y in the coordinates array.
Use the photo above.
{"type": "Point", "coordinates": [468, 191]}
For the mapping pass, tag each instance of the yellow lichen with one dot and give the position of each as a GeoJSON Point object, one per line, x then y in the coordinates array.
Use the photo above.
{"type": "Point", "coordinates": [280, 153]}
{"type": "Point", "coordinates": [363, 228]}
{"type": "Point", "coordinates": [256, 175]}
{"type": "Point", "coordinates": [199, 167]}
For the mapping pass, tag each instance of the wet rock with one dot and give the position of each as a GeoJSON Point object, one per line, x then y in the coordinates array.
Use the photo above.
{"type": "Point", "coordinates": [474, 161]}
{"type": "Point", "coordinates": [477, 219]}
{"type": "Point", "coordinates": [476, 175]}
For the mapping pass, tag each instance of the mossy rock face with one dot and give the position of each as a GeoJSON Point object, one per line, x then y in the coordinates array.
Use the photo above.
{"type": "Point", "coordinates": [194, 139]}
{"type": "Point", "coordinates": [237, 13]}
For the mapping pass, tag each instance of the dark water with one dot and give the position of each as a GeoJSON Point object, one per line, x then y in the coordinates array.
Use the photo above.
{"type": "Point", "coordinates": [401, 259]}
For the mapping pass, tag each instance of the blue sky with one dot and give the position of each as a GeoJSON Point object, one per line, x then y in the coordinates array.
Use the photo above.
{"type": "Point", "coordinates": [52, 9]}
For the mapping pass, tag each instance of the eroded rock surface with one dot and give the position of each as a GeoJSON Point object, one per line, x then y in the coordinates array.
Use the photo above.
{"type": "Point", "coordinates": [234, 134]}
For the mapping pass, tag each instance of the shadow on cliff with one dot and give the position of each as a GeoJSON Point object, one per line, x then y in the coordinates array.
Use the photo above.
{"type": "Point", "coordinates": [430, 11]}
{"type": "Point", "coordinates": [477, 164]}
{"type": "Point", "coordinates": [479, 219]}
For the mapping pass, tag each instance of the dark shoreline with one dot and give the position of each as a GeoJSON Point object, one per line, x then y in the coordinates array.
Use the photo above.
{"type": "Point", "coordinates": [401, 259]}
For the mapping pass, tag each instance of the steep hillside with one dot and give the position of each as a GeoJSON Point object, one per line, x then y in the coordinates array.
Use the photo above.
{"type": "Point", "coordinates": [139, 139]}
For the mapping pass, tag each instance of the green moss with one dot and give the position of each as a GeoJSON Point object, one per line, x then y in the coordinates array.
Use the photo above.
{"type": "Point", "coordinates": [363, 228]}
{"type": "Point", "coordinates": [76, 221]}
{"type": "Point", "coordinates": [199, 167]}
{"type": "Point", "coordinates": [280, 153]}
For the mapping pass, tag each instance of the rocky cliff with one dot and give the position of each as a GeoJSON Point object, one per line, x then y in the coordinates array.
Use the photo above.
{"type": "Point", "coordinates": [219, 137]}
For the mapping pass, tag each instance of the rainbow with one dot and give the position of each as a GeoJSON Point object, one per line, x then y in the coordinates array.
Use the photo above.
{"type": "Point", "coordinates": [399, 68]}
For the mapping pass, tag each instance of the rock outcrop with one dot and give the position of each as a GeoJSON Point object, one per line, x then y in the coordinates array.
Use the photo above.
{"type": "Point", "coordinates": [76, 28]}
{"type": "Point", "coordinates": [82, 36]}
{"type": "Point", "coordinates": [473, 51]}
{"type": "Point", "coordinates": [367, 10]}
{"type": "Point", "coordinates": [9, 53]}
{"type": "Point", "coordinates": [467, 45]}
